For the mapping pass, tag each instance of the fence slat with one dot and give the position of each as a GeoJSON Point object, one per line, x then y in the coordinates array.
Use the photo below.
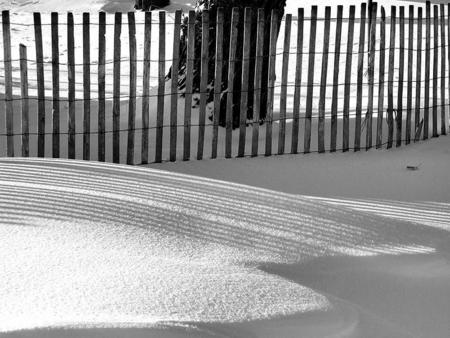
{"type": "Point", "coordinates": [426, 110]}
{"type": "Point", "coordinates": [334, 99]}
{"type": "Point", "coordinates": [323, 81]}
{"type": "Point", "coordinates": [55, 84]}
{"type": "Point", "coordinates": [146, 87]}
{"type": "Point", "coordinates": [390, 112]}
{"type": "Point", "coordinates": [359, 85]}
{"type": "Point", "coordinates": [284, 81]}
{"type": "Point", "coordinates": [161, 87]}
{"type": "Point", "coordinates": [271, 80]}
{"type": "Point", "coordinates": [40, 83]}
{"type": "Point", "coordinates": [116, 87]}
{"type": "Point", "coordinates": [399, 119]}
{"type": "Point", "coordinates": [371, 74]}
{"type": "Point", "coordinates": [86, 87]}
{"type": "Point", "coordinates": [410, 74]}
{"type": "Point", "coordinates": [310, 84]}
{"type": "Point", "coordinates": [189, 86]}
{"type": "Point", "coordinates": [380, 116]}
{"type": "Point", "coordinates": [132, 95]}
{"type": "Point", "coordinates": [71, 79]}
{"type": "Point", "coordinates": [245, 78]}
{"type": "Point", "coordinates": [174, 87]}
{"type": "Point", "coordinates": [348, 75]}
{"type": "Point", "coordinates": [448, 58]}
{"type": "Point", "coordinates": [443, 104]}
{"type": "Point", "coordinates": [217, 80]}
{"type": "Point", "coordinates": [101, 85]}
{"type": "Point", "coordinates": [258, 79]}
{"type": "Point", "coordinates": [203, 83]}
{"type": "Point", "coordinates": [25, 102]}
{"type": "Point", "coordinates": [230, 91]}
{"type": "Point", "coordinates": [435, 67]}
{"type": "Point", "coordinates": [418, 75]}
{"type": "Point", "coordinates": [8, 82]}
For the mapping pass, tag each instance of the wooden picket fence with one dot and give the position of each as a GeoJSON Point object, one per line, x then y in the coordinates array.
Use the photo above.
{"type": "Point", "coordinates": [405, 122]}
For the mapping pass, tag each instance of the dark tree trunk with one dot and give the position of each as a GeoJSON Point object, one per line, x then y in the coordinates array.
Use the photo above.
{"type": "Point", "coordinates": [212, 6]}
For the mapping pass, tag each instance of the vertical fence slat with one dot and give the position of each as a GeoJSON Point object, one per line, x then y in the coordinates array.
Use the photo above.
{"type": "Point", "coordinates": [323, 81]}
{"type": "Point", "coordinates": [230, 92]}
{"type": "Point", "coordinates": [245, 78]}
{"type": "Point", "coordinates": [417, 122]}
{"type": "Point", "coordinates": [146, 87]}
{"type": "Point", "coordinates": [189, 86]}
{"type": "Point", "coordinates": [8, 82]}
{"type": "Point", "coordinates": [86, 87]}
{"type": "Point", "coordinates": [348, 76]}
{"type": "Point", "coordinates": [448, 59]}
{"type": "Point", "coordinates": [443, 105]}
{"type": "Point", "coordinates": [410, 74]}
{"type": "Point", "coordinates": [203, 83]}
{"type": "Point", "coordinates": [116, 87]}
{"type": "Point", "coordinates": [132, 95]}
{"type": "Point", "coordinates": [55, 84]}
{"type": "Point", "coordinates": [390, 112]}
{"type": "Point", "coordinates": [399, 119]}
{"type": "Point", "coordinates": [359, 85]}
{"type": "Point", "coordinates": [371, 74]}
{"type": "Point", "coordinates": [310, 83]}
{"type": "Point", "coordinates": [435, 67]}
{"type": "Point", "coordinates": [380, 116]}
{"type": "Point", "coordinates": [25, 102]}
{"type": "Point", "coordinates": [217, 80]}
{"type": "Point", "coordinates": [101, 85]}
{"type": "Point", "coordinates": [284, 81]}
{"type": "Point", "coordinates": [71, 79]}
{"type": "Point", "coordinates": [161, 86]}
{"type": "Point", "coordinates": [258, 79]}
{"type": "Point", "coordinates": [40, 83]}
{"type": "Point", "coordinates": [174, 87]}
{"type": "Point", "coordinates": [298, 82]}
{"type": "Point", "coordinates": [334, 99]}
{"type": "Point", "coordinates": [426, 112]}
{"type": "Point", "coordinates": [271, 80]}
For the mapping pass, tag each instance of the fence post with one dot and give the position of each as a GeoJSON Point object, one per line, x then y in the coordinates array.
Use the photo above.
{"type": "Point", "coordinates": [87, 87]}
{"type": "Point", "coordinates": [174, 87]}
{"type": "Point", "coordinates": [146, 87]}
{"type": "Point", "coordinates": [132, 97]}
{"type": "Point", "coordinates": [334, 100]}
{"type": "Point", "coordinates": [323, 81]}
{"type": "Point", "coordinates": [427, 69]}
{"type": "Point", "coordinates": [245, 76]}
{"type": "Point", "coordinates": [380, 116]}
{"type": "Point", "coordinates": [71, 79]}
{"type": "Point", "coordinates": [371, 74]}
{"type": "Point", "coordinates": [116, 87]}
{"type": "Point", "coordinates": [410, 73]}
{"type": "Point", "coordinates": [217, 79]}
{"type": "Point", "coordinates": [189, 86]}
{"type": "Point", "coordinates": [25, 102]}
{"type": "Point", "coordinates": [203, 83]}
{"type": "Point", "coordinates": [359, 85]}
{"type": "Point", "coordinates": [257, 84]}
{"type": "Point", "coordinates": [348, 75]}
{"type": "Point", "coordinates": [55, 84]}
{"type": "Point", "coordinates": [284, 81]}
{"type": "Point", "coordinates": [443, 115]}
{"type": "Point", "coordinates": [8, 82]}
{"type": "Point", "coordinates": [418, 77]}
{"type": "Point", "coordinates": [310, 84]}
{"type": "Point", "coordinates": [435, 67]}
{"type": "Point", "coordinates": [101, 85]}
{"type": "Point", "coordinates": [298, 82]}
{"type": "Point", "coordinates": [161, 87]}
{"type": "Point", "coordinates": [40, 83]}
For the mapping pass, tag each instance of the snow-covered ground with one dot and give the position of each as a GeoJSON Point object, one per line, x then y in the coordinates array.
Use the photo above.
{"type": "Point", "coordinates": [100, 250]}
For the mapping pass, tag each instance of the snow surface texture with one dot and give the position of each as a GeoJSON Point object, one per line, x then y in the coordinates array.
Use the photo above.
{"type": "Point", "coordinates": [89, 244]}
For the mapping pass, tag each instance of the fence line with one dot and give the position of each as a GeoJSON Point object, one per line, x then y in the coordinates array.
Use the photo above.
{"type": "Point", "coordinates": [363, 93]}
